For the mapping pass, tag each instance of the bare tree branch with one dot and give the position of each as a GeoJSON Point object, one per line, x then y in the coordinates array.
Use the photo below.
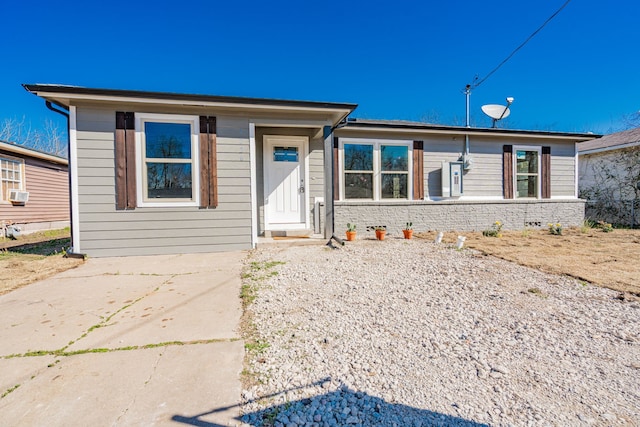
{"type": "Point", "coordinates": [49, 139]}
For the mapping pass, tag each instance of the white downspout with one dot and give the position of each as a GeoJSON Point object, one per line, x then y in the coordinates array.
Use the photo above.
{"type": "Point", "coordinates": [254, 196]}
{"type": "Point", "coordinates": [73, 170]}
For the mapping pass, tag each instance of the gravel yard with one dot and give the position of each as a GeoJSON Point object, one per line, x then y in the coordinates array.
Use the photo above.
{"type": "Point", "coordinates": [411, 333]}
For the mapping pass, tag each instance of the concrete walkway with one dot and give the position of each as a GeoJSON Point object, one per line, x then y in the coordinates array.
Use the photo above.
{"type": "Point", "coordinates": [125, 341]}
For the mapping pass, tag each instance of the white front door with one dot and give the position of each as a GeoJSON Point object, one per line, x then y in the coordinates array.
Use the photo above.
{"type": "Point", "coordinates": [284, 182]}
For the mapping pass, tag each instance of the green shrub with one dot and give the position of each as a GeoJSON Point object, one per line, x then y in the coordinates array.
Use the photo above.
{"type": "Point", "coordinates": [555, 229]}
{"type": "Point", "coordinates": [494, 231]}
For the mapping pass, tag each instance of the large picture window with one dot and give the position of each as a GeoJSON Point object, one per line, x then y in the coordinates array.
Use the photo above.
{"type": "Point", "coordinates": [11, 176]}
{"type": "Point", "coordinates": [167, 159]}
{"type": "Point", "coordinates": [527, 172]}
{"type": "Point", "coordinates": [375, 170]}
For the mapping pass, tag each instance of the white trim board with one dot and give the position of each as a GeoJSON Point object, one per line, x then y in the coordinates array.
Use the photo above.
{"type": "Point", "coordinates": [254, 186]}
{"type": "Point", "coordinates": [73, 173]}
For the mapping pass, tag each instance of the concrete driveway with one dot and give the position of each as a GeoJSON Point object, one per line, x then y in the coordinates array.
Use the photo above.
{"type": "Point", "coordinates": [125, 341]}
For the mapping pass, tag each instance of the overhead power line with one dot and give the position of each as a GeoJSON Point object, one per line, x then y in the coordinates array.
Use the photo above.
{"type": "Point", "coordinates": [478, 83]}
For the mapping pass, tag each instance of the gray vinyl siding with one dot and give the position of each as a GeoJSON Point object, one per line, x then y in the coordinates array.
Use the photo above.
{"type": "Point", "coordinates": [438, 149]}
{"type": "Point", "coordinates": [563, 170]}
{"type": "Point", "coordinates": [484, 179]}
{"type": "Point", "coordinates": [150, 230]}
{"type": "Point", "coordinates": [316, 169]}
{"type": "Point", "coordinates": [316, 181]}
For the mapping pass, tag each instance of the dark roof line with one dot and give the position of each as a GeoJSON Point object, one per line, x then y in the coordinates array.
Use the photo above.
{"type": "Point", "coordinates": [401, 124]}
{"type": "Point", "coordinates": [351, 122]}
{"type": "Point", "coordinates": [79, 90]}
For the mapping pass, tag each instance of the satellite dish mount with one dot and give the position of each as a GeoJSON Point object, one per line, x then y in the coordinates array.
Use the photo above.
{"type": "Point", "coordinates": [497, 112]}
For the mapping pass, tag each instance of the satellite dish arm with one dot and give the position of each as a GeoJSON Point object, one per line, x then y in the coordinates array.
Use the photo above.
{"type": "Point", "coordinates": [509, 102]}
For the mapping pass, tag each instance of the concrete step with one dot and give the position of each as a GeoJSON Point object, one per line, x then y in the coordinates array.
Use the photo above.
{"type": "Point", "coordinates": [288, 233]}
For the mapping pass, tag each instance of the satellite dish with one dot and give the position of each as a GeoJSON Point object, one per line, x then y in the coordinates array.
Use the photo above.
{"type": "Point", "coordinates": [497, 112]}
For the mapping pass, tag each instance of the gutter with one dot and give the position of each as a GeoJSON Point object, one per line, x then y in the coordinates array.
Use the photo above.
{"type": "Point", "coordinates": [64, 111]}
{"type": "Point", "coordinates": [77, 92]}
{"type": "Point", "coordinates": [414, 127]}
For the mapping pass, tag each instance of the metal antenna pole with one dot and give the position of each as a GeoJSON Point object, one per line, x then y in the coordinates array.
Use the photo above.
{"type": "Point", "coordinates": [467, 92]}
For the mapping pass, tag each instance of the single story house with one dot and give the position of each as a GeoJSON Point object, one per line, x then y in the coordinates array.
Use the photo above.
{"type": "Point", "coordinates": [609, 177]}
{"type": "Point", "coordinates": [34, 189]}
{"type": "Point", "coordinates": [156, 173]}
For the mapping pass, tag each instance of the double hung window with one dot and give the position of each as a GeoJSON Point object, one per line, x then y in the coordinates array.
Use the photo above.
{"type": "Point", "coordinates": [11, 176]}
{"type": "Point", "coordinates": [358, 171]}
{"type": "Point", "coordinates": [527, 172]}
{"type": "Point", "coordinates": [375, 170]}
{"type": "Point", "coordinates": [168, 151]}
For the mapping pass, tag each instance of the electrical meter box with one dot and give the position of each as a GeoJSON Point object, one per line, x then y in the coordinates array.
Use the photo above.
{"type": "Point", "coordinates": [452, 179]}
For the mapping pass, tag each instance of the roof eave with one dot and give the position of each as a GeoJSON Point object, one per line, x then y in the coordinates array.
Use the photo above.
{"type": "Point", "coordinates": [609, 148]}
{"type": "Point", "coordinates": [66, 94]}
{"type": "Point", "coordinates": [443, 129]}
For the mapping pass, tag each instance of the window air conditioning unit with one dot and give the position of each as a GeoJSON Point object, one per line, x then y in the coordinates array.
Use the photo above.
{"type": "Point", "coordinates": [18, 197]}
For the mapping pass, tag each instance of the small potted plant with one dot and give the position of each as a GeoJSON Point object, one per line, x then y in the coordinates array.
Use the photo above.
{"type": "Point", "coordinates": [351, 232]}
{"type": "Point", "coordinates": [408, 230]}
{"type": "Point", "coordinates": [381, 231]}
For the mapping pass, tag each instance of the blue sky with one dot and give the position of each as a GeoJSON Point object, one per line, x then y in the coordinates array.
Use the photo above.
{"type": "Point", "coordinates": [398, 60]}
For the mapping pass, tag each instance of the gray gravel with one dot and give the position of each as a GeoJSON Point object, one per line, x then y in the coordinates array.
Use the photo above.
{"type": "Point", "coordinates": [411, 333]}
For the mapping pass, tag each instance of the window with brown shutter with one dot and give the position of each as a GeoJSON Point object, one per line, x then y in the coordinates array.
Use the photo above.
{"type": "Point", "coordinates": [208, 163]}
{"type": "Point", "coordinates": [165, 168]}
{"type": "Point", "coordinates": [125, 159]}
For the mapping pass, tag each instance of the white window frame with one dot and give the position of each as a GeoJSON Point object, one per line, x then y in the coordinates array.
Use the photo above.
{"type": "Point", "coordinates": [141, 168]}
{"type": "Point", "coordinates": [538, 149]}
{"type": "Point", "coordinates": [377, 172]}
{"type": "Point", "coordinates": [22, 184]}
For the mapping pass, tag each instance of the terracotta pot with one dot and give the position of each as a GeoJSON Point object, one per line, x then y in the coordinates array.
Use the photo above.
{"type": "Point", "coordinates": [380, 234]}
{"type": "Point", "coordinates": [407, 234]}
{"type": "Point", "coordinates": [351, 236]}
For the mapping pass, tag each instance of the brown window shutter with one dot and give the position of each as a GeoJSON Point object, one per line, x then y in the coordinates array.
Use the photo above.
{"type": "Point", "coordinates": [336, 171]}
{"type": "Point", "coordinates": [546, 172]}
{"type": "Point", "coordinates": [208, 163]}
{"type": "Point", "coordinates": [418, 170]}
{"type": "Point", "coordinates": [125, 153]}
{"type": "Point", "coordinates": [507, 171]}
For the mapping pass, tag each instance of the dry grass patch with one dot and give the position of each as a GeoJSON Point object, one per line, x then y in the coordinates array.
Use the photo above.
{"type": "Point", "coordinates": [33, 257]}
{"type": "Point", "coordinates": [607, 259]}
